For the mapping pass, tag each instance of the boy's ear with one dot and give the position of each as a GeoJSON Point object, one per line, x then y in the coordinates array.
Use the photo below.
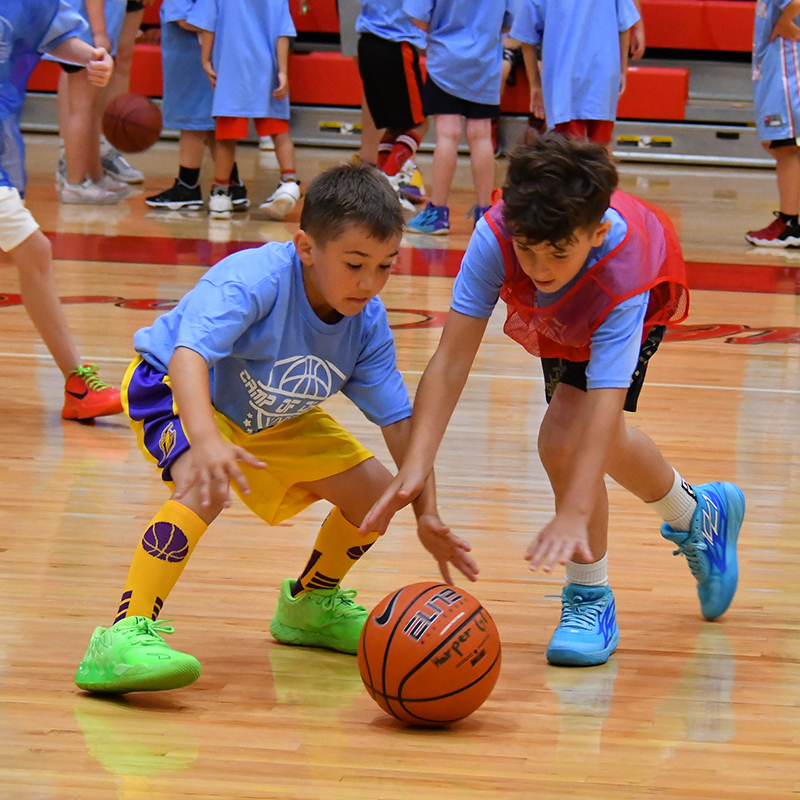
{"type": "Point", "coordinates": [600, 233]}
{"type": "Point", "coordinates": [304, 244]}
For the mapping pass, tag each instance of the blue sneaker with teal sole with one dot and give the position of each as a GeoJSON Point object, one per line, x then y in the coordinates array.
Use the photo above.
{"type": "Point", "coordinates": [710, 544]}
{"type": "Point", "coordinates": [587, 634]}
{"type": "Point", "coordinates": [433, 220]}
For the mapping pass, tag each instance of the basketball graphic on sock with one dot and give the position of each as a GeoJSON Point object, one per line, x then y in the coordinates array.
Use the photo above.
{"type": "Point", "coordinates": [166, 541]}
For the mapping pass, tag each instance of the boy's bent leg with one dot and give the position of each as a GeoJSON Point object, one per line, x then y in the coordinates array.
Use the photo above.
{"type": "Point", "coordinates": [314, 610]}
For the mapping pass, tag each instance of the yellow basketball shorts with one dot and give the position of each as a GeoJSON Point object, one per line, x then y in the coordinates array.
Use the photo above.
{"type": "Point", "coordinates": [306, 448]}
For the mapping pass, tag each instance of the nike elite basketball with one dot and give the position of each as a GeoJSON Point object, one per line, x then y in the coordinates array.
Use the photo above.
{"type": "Point", "coordinates": [429, 654]}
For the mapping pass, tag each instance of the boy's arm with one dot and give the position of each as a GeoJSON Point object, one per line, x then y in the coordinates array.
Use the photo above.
{"type": "Point", "coordinates": [206, 50]}
{"type": "Point", "coordinates": [534, 79]}
{"type": "Point", "coordinates": [637, 34]}
{"type": "Point", "coordinates": [436, 398]}
{"type": "Point", "coordinates": [99, 64]}
{"type": "Point", "coordinates": [214, 459]}
{"type": "Point", "coordinates": [283, 68]}
{"type": "Point", "coordinates": [567, 533]}
{"type": "Point", "coordinates": [423, 26]}
{"type": "Point", "coordinates": [785, 27]}
{"type": "Point", "coordinates": [444, 546]}
{"type": "Point", "coordinates": [624, 48]}
{"type": "Point", "coordinates": [96, 14]}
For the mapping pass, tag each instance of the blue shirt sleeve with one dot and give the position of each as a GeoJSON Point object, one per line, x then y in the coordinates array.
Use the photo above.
{"type": "Point", "coordinates": [616, 344]}
{"type": "Point", "coordinates": [376, 385]}
{"type": "Point", "coordinates": [66, 24]}
{"type": "Point", "coordinates": [478, 283]}
{"type": "Point", "coordinates": [204, 15]}
{"type": "Point", "coordinates": [528, 24]}
{"type": "Point", "coordinates": [286, 27]}
{"type": "Point", "coordinates": [627, 14]}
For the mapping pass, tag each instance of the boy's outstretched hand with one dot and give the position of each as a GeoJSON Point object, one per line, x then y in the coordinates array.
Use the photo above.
{"type": "Point", "coordinates": [100, 68]}
{"type": "Point", "coordinates": [404, 489]}
{"type": "Point", "coordinates": [210, 466]}
{"type": "Point", "coordinates": [558, 541]}
{"type": "Point", "coordinates": [446, 548]}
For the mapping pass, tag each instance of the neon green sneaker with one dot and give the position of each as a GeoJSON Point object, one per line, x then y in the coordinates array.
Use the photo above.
{"type": "Point", "coordinates": [318, 618]}
{"type": "Point", "coordinates": [130, 656]}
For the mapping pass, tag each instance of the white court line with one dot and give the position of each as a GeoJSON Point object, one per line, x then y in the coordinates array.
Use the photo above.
{"type": "Point", "coordinates": [472, 375]}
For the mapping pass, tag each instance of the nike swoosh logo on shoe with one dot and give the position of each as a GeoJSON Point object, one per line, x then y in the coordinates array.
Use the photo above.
{"type": "Point", "coordinates": [75, 394]}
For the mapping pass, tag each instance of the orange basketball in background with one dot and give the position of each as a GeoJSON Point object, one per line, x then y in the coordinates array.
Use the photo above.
{"type": "Point", "coordinates": [132, 123]}
{"type": "Point", "coordinates": [429, 654]}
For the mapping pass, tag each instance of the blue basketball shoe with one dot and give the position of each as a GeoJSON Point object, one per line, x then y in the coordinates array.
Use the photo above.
{"type": "Point", "coordinates": [433, 220]}
{"type": "Point", "coordinates": [710, 544]}
{"type": "Point", "coordinates": [587, 634]}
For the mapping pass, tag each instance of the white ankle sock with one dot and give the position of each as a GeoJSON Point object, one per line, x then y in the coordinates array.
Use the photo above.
{"type": "Point", "coordinates": [595, 574]}
{"type": "Point", "coordinates": [677, 507]}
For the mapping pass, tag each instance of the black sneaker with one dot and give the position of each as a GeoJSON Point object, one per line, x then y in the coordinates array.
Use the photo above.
{"type": "Point", "coordinates": [180, 196]}
{"type": "Point", "coordinates": [239, 197]}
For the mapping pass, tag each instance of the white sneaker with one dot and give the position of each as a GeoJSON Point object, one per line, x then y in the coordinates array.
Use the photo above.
{"type": "Point", "coordinates": [113, 185]}
{"type": "Point", "coordinates": [117, 166]}
{"type": "Point", "coordinates": [265, 143]}
{"type": "Point", "coordinates": [220, 204]}
{"type": "Point", "coordinates": [88, 192]}
{"type": "Point", "coordinates": [282, 201]}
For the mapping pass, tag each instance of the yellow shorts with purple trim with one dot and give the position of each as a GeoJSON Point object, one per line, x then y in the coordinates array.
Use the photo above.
{"type": "Point", "coordinates": [299, 450]}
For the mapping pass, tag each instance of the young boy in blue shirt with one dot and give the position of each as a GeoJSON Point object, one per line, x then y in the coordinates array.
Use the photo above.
{"type": "Point", "coordinates": [186, 107]}
{"type": "Point", "coordinates": [585, 48]}
{"type": "Point", "coordinates": [591, 277]}
{"type": "Point", "coordinates": [30, 28]}
{"type": "Point", "coordinates": [777, 107]}
{"type": "Point", "coordinates": [464, 65]}
{"type": "Point", "coordinates": [238, 369]}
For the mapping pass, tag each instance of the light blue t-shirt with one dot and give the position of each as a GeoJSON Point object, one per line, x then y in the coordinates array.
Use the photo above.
{"type": "Point", "coordinates": [616, 341]}
{"type": "Point", "coordinates": [580, 53]}
{"type": "Point", "coordinates": [174, 10]}
{"type": "Point", "coordinates": [28, 28]}
{"type": "Point", "coordinates": [464, 45]}
{"type": "Point", "coordinates": [270, 356]}
{"type": "Point", "coordinates": [386, 18]}
{"type": "Point", "coordinates": [245, 54]}
{"type": "Point", "coordinates": [775, 88]}
{"type": "Point", "coordinates": [115, 11]}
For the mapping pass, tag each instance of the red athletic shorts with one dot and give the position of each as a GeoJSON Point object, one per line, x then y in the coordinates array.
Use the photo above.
{"type": "Point", "coordinates": [236, 127]}
{"type": "Point", "coordinates": [596, 130]}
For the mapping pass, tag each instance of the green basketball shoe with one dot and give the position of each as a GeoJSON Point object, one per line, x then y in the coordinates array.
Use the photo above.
{"type": "Point", "coordinates": [318, 618]}
{"type": "Point", "coordinates": [130, 656]}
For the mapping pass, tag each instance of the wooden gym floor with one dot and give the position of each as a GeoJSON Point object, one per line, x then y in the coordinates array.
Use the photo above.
{"type": "Point", "coordinates": [684, 709]}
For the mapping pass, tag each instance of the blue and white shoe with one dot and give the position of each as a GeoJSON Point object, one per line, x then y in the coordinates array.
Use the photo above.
{"type": "Point", "coordinates": [433, 220]}
{"type": "Point", "coordinates": [587, 634]}
{"type": "Point", "coordinates": [710, 544]}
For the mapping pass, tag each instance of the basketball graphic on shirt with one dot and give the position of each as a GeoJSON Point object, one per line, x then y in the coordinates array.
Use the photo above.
{"type": "Point", "coordinates": [308, 377]}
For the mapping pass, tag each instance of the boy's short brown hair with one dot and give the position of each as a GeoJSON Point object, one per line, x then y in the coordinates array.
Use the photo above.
{"type": "Point", "coordinates": [349, 195]}
{"type": "Point", "coordinates": [556, 186]}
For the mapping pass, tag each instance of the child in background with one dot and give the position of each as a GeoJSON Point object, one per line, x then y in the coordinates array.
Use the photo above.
{"type": "Point", "coordinates": [777, 108]}
{"type": "Point", "coordinates": [585, 48]}
{"type": "Point", "coordinates": [30, 28]}
{"type": "Point", "coordinates": [464, 63]}
{"type": "Point", "coordinates": [245, 52]}
{"type": "Point", "coordinates": [186, 107]}
{"type": "Point", "coordinates": [238, 369]}
{"type": "Point", "coordinates": [591, 277]}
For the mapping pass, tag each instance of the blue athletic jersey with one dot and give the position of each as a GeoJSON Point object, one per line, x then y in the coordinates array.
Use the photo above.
{"type": "Point", "coordinates": [270, 356]}
{"type": "Point", "coordinates": [775, 76]}
{"type": "Point", "coordinates": [115, 11]}
{"type": "Point", "coordinates": [464, 45]}
{"type": "Point", "coordinates": [245, 54]}
{"type": "Point", "coordinates": [27, 29]}
{"type": "Point", "coordinates": [616, 342]}
{"type": "Point", "coordinates": [386, 18]}
{"type": "Point", "coordinates": [188, 96]}
{"type": "Point", "coordinates": [581, 66]}
{"type": "Point", "coordinates": [173, 10]}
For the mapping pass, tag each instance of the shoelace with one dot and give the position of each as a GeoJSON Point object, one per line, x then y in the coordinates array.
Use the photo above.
{"type": "Point", "coordinates": [88, 374]}
{"type": "Point", "coordinates": [145, 631]}
{"type": "Point", "coordinates": [575, 615]}
{"type": "Point", "coordinates": [340, 602]}
{"type": "Point", "coordinates": [690, 549]}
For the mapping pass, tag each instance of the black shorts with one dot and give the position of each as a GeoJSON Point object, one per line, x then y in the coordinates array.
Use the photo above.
{"type": "Point", "coordinates": [392, 82]}
{"type": "Point", "coordinates": [134, 5]}
{"type": "Point", "coordinates": [782, 143]}
{"type": "Point", "coordinates": [573, 373]}
{"type": "Point", "coordinates": [72, 67]}
{"type": "Point", "coordinates": [436, 100]}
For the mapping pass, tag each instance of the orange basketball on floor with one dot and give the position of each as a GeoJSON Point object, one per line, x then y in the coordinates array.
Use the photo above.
{"type": "Point", "coordinates": [429, 654]}
{"type": "Point", "coordinates": [132, 123]}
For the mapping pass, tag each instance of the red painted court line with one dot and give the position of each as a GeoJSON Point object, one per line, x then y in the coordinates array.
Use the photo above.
{"type": "Point", "coordinates": [423, 262]}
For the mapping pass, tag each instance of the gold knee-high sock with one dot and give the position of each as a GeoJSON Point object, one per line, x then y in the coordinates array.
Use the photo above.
{"type": "Point", "coordinates": [339, 545]}
{"type": "Point", "coordinates": [159, 560]}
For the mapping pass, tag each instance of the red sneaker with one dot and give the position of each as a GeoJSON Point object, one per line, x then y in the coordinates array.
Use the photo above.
{"type": "Point", "coordinates": [86, 396]}
{"type": "Point", "coordinates": [778, 234]}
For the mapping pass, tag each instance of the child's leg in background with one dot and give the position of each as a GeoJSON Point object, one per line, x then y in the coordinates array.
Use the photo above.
{"type": "Point", "coordinates": [284, 199]}
{"type": "Point", "coordinates": [284, 152]}
{"type": "Point", "coordinates": [229, 131]}
{"type": "Point", "coordinates": [79, 123]}
{"type": "Point", "coordinates": [481, 154]}
{"type": "Point", "coordinates": [370, 135]}
{"type": "Point", "coordinates": [449, 128]}
{"type": "Point", "coordinates": [787, 170]}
